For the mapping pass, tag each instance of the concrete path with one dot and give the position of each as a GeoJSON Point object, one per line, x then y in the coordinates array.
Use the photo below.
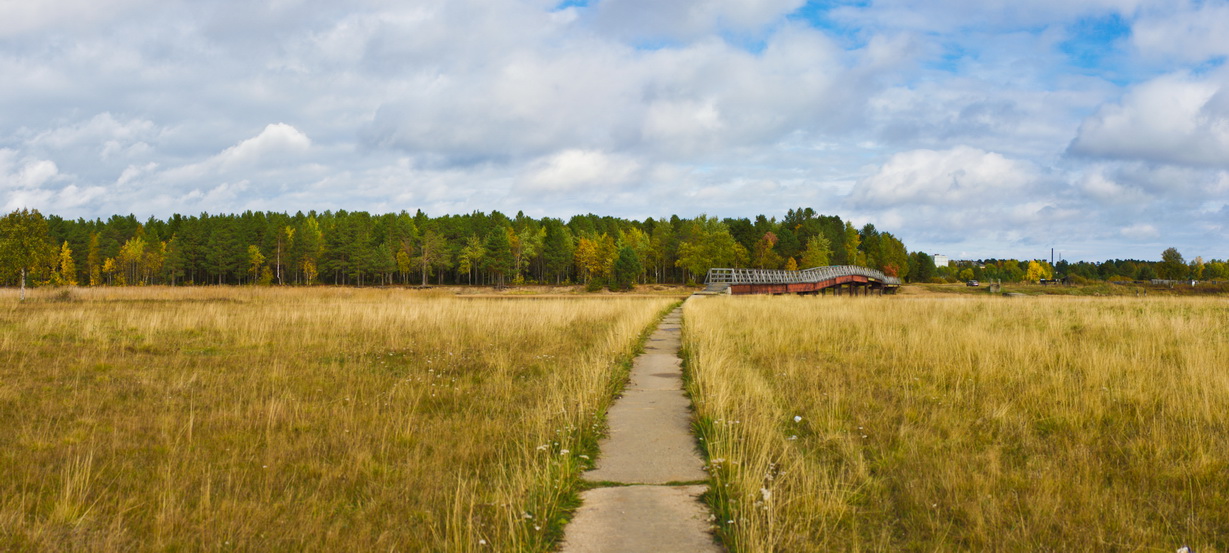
{"type": "Point", "coordinates": [650, 444]}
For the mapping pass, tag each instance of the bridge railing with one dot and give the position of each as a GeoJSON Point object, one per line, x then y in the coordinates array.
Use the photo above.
{"type": "Point", "coordinates": [814, 274]}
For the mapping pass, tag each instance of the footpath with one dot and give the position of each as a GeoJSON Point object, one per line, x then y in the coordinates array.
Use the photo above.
{"type": "Point", "coordinates": [650, 476]}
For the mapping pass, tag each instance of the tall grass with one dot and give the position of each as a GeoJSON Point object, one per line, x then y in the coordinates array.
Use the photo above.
{"type": "Point", "coordinates": [224, 419]}
{"type": "Point", "coordinates": [964, 424]}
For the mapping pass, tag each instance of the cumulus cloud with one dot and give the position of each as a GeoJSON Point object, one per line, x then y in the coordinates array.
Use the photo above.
{"type": "Point", "coordinates": [958, 178]}
{"type": "Point", "coordinates": [25, 173]}
{"type": "Point", "coordinates": [1175, 118]}
{"type": "Point", "coordinates": [1192, 32]}
{"type": "Point", "coordinates": [688, 19]}
{"type": "Point", "coordinates": [277, 146]}
{"type": "Point", "coordinates": [37, 183]}
{"type": "Point", "coordinates": [580, 170]}
{"type": "Point", "coordinates": [1104, 189]}
{"type": "Point", "coordinates": [689, 101]}
{"type": "Point", "coordinates": [102, 131]}
{"type": "Point", "coordinates": [274, 144]}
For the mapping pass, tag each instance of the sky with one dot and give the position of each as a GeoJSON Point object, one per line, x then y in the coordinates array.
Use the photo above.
{"type": "Point", "coordinates": [968, 128]}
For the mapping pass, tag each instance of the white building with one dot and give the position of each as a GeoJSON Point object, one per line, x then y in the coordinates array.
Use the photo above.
{"type": "Point", "coordinates": [941, 260]}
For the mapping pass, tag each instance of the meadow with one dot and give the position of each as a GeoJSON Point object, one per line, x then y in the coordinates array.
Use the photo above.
{"type": "Point", "coordinates": [964, 423]}
{"type": "Point", "coordinates": [249, 419]}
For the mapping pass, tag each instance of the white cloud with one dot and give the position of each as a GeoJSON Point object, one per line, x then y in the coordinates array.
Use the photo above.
{"type": "Point", "coordinates": [68, 198]}
{"type": "Point", "coordinates": [688, 19]}
{"type": "Point", "coordinates": [24, 174]}
{"type": "Point", "coordinates": [277, 146]}
{"type": "Point", "coordinates": [1192, 32]}
{"type": "Point", "coordinates": [1139, 231]}
{"type": "Point", "coordinates": [961, 177]}
{"type": "Point", "coordinates": [1174, 119]}
{"type": "Point", "coordinates": [276, 143]}
{"type": "Point", "coordinates": [1102, 188]}
{"type": "Point", "coordinates": [18, 16]}
{"type": "Point", "coordinates": [579, 170]}
{"type": "Point", "coordinates": [101, 130]}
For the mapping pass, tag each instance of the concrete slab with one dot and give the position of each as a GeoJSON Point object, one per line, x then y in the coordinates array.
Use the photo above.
{"type": "Point", "coordinates": [655, 371]}
{"type": "Point", "coordinates": [641, 519]}
{"type": "Point", "coordinates": [650, 441]}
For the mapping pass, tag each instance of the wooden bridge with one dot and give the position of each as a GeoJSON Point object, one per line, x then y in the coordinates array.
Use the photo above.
{"type": "Point", "coordinates": [850, 279]}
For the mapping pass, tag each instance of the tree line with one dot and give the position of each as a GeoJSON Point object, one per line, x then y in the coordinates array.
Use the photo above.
{"type": "Point", "coordinates": [1172, 266]}
{"type": "Point", "coordinates": [360, 248]}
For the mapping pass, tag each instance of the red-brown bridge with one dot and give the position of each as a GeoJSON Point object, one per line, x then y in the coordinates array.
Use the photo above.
{"type": "Point", "coordinates": [850, 279]}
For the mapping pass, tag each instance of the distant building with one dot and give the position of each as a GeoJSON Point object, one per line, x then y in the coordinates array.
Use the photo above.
{"type": "Point", "coordinates": [941, 260]}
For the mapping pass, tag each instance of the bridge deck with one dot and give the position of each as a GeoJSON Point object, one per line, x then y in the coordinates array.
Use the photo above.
{"type": "Point", "coordinates": [816, 279]}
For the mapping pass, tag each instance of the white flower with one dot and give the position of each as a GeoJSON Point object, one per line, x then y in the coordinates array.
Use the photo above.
{"type": "Point", "coordinates": [797, 418]}
{"type": "Point", "coordinates": [766, 493]}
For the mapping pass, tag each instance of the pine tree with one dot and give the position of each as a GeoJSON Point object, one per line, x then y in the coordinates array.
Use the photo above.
{"type": "Point", "coordinates": [498, 260]}
{"type": "Point", "coordinates": [557, 250]}
{"type": "Point", "coordinates": [94, 261]}
{"type": "Point", "coordinates": [174, 261]}
{"type": "Point", "coordinates": [432, 254]}
{"type": "Point", "coordinates": [627, 269]}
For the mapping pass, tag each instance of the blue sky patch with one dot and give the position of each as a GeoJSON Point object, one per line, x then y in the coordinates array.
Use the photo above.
{"type": "Point", "coordinates": [818, 14]}
{"type": "Point", "coordinates": [1094, 43]}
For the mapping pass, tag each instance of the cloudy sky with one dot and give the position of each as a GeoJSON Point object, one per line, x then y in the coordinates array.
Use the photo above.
{"type": "Point", "coordinates": [972, 128]}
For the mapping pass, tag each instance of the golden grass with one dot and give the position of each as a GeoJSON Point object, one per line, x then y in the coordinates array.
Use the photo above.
{"type": "Point", "coordinates": [228, 419]}
{"type": "Point", "coordinates": [964, 424]}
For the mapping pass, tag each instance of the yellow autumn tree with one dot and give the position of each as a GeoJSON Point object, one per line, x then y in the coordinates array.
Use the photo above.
{"type": "Point", "coordinates": [1036, 271]}
{"type": "Point", "coordinates": [588, 262]}
{"type": "Point", "coordinates": [131, 254]}
{"type": "Point", "coordinates": [110, 268]}
{"type": "Point", "coordinates": [67, 271]}
{"type": "Point", "coordinates": [256, 260]}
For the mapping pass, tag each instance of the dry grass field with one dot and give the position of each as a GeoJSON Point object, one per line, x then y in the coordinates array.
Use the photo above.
{"type": "Point", "coordinates": [228, 419]}
{"type": "Point", "coordinates": [964, 424]}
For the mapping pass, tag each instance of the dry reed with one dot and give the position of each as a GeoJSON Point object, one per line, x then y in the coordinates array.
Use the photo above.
{"type": "Point", "coordinates": [989, 424]}
{"type": "Point", "coordinates": [228, 419]}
